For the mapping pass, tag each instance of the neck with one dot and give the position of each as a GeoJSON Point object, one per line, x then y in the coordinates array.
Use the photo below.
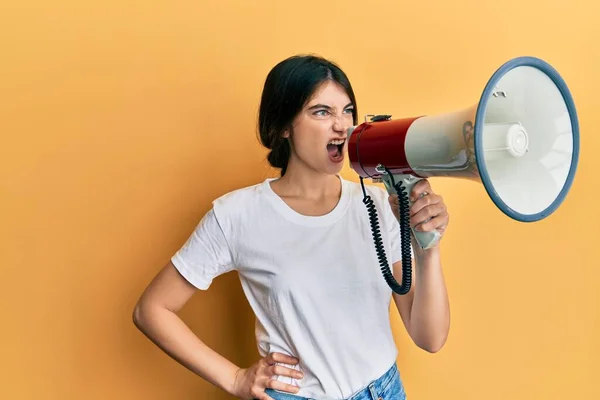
{"type": "Point", "coordinates": [302, 181]}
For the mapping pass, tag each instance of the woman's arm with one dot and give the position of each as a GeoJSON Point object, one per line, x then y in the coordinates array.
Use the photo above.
{"type": "Point", "coordinates": [155, 315]}
{"type": "Point", "coordinates": [425, 310]}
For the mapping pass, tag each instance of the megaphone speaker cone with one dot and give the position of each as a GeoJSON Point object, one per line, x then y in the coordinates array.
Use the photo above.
{"type": "Point", "coordinates": [526, 139]}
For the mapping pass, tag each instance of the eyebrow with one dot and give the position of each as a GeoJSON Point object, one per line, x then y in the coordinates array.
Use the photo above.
{"type": "Point", "coordinates": [327, 107]}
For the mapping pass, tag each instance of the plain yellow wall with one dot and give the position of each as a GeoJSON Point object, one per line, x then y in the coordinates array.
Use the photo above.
{"type": "Point", "coordinates": [122, 120]}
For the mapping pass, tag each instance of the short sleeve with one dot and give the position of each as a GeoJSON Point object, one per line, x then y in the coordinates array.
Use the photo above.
{"type": "Point", "coordinates": [206, 253]}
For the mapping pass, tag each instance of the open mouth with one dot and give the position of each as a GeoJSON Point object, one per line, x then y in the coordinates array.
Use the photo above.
{"type": "Point", "coordinates": [335, 149]}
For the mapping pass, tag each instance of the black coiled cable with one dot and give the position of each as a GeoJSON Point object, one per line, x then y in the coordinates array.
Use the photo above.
{"type": "Point", "coordinates": [404, 212]}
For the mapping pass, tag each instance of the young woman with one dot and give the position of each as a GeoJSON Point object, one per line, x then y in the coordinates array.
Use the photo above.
{"type": "Point", "coordinates": [302, 246]}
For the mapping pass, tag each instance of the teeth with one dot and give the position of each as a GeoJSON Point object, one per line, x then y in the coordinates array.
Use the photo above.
{"type": "Point", "coordinates": [337, 141]}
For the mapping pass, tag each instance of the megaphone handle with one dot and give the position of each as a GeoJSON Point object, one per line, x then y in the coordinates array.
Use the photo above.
{"type": "Point", "coordinates": [405, 183]}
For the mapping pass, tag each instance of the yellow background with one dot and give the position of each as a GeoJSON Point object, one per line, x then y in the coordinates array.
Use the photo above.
{"type": "Point", "coordinates": [122, 120]}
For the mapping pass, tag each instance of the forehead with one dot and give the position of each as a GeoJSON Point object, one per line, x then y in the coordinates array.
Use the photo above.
{"type": "Point", "coordinates": [330, 93]}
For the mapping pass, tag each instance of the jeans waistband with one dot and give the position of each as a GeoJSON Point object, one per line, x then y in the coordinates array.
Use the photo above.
{"type": "Point", "coordinates": [369, 392]}
{"type": "Point", "coordinates": [377, 386]}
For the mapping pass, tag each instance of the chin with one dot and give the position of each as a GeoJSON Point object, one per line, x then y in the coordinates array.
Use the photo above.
{"type": "Point", "coordinates": [334, 169]}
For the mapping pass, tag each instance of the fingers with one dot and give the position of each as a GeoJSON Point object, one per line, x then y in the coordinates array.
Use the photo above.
{"type": "Point", "coordinates": [277, 385]}
{"type": "Point", "coordinates": [428, 211]}
{"type": "Point", "coordinates": [271, 367]}
{"type": "Point", "coordinates": [284, 371]}
{"type": "Point", "coordinates": [421, 188]}
{"type": "Point", "coordinates": [273, 358]}
{"type": "Point", "coordinates": [430, 218]}
{"type": "Point", "coordinates": [258, 389]}
{"type": "Point", "coordinates": [433, 224]}
{"type": "Point", "coordinates": [425, 202]}
{"type": "Point", "coordinates": [426, 214]}
{"type": "Point", "coordinates": [276, 369]}
{"type": "Point", "coordinates": [256, 379]}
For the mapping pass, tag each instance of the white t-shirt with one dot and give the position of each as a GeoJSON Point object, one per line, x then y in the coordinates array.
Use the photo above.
{"type": "Point", "coordinates": [314, 282]}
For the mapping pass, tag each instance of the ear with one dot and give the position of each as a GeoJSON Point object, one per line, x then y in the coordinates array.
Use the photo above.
{"type": "Point", "coordinates": [286, 134]}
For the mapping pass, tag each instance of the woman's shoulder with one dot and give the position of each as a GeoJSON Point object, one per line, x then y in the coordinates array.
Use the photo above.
{"type": "Point", "coordinates": [240, 200]}
{"type": "Point", "coordinates": [241, 194]}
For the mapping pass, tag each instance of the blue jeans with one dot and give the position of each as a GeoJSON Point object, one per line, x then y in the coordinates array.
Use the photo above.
{"type": "Point", "coordinates": [387, 387]}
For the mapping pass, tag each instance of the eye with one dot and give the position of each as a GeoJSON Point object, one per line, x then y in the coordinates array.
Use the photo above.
{"type": "Point", "coordinates": [321, 113]}
{"type": "Point", "coordinates": [349, 111]}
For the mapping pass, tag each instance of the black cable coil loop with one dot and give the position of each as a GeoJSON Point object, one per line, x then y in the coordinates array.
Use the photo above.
{"type": "Point", "coordinates": [404, 211]}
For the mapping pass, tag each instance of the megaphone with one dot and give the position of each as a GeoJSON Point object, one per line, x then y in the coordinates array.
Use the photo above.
{"type": "Point", "coordinates": [521, 141]}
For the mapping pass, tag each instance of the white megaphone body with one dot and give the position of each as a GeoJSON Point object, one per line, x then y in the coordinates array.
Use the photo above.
{"type": "Point", "coordinates": [521, 141]}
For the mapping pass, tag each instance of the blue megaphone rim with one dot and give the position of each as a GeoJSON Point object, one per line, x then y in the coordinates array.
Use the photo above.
{"type": "Point", "coordinates": [478, 144]}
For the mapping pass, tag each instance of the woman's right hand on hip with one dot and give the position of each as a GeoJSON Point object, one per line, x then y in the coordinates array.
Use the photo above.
{"type": "Point", "coordinates": [250, 383]}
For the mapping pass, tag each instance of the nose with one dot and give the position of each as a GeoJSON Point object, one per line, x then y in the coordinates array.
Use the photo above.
{"type": "Point", "coordinates": [342, 123]}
